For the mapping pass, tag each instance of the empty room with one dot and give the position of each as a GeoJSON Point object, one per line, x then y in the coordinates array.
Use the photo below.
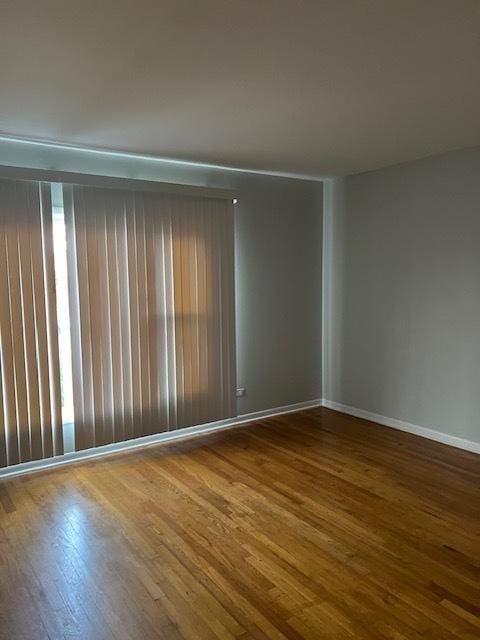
{"type": "Point", "coordinates": [240, 320]}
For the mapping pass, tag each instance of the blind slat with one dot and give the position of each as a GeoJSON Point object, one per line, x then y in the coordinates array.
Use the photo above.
{"type": "Point", "coordinates": [23, 434]}
{"type": "Point", "coordinates": [39, 295]}
{"type": "Point", "coordinates": [28, 316]}
{"type": "Point", "coordinates": [153, 321]}
{"type": "Point", "coordinates": [106, 354]}
{"type": "Point", "coordinates": [125, 320]}
{"type": "Point", "coordinates": [117, 400]}
{"type": "Point", "coordinates": [9, 414]}
{"type": "Point", "coordinates": [134, 338]}
{"type": "Point", "coordinates": [172, 391]}
{"type": "Point", "coordinates": [143, 318]}
{"type": "Point", "coordinates": [6, 345]}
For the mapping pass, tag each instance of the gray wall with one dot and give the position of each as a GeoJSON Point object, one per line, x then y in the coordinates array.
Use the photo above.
{"type": "Point", "coordinates": [278, 280]}
{"type": "Point", "coordinates": [402, 293]}
{"type": "Point", "coordinates": [278, 240]}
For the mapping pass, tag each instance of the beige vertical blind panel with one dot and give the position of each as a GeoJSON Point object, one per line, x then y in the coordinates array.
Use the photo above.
{"type": "Point", "coordinates": [30, 397]}
{"type": "Point", "coordinates": [151, 291]}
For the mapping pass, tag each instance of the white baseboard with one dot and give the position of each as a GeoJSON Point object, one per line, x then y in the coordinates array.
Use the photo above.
{"type": "Point", "coordinates": [424, 432]}
{"type": "Point", "coordinates": [190, 432]}
{"type": "Point", "coordinates": [157, 438]}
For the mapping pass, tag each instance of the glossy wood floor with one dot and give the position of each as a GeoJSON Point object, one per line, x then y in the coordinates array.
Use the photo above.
{"type": "Point", "coordinates": [311, 525]}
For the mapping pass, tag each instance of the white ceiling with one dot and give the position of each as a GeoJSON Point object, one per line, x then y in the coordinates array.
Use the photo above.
{"type": "Point", "coordinates": [308, 87]}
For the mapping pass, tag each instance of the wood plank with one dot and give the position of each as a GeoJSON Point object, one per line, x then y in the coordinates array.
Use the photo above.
{"type": "Point", "coordinates": [308, 525]}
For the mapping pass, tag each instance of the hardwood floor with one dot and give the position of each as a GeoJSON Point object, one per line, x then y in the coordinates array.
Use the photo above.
{"type": "Point", "coordinates": [310, 525]}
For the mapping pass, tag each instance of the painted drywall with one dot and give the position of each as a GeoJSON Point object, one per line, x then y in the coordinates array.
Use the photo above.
{"type": "Point", "coordinates": [278, 264]}
{"type": "Point", "coordinates": [402, 293]}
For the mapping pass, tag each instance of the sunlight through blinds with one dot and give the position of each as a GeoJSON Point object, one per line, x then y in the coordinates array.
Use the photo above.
{"type": "Point", "coordinates": [151, 290]}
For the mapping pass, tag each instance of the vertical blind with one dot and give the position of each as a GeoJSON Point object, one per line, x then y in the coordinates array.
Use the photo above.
{"type": "Point", "coordinates": [30, 403]}
{"type": "Point", "coordinates": [151, 308]}
{"type": "Point", "coordinates": [151, 299]}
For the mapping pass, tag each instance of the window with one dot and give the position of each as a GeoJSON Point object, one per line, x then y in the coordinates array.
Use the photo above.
{"type": "Point", "coordinates": [119, 319]}
{"type": "Point", "coordinates": [63, 317]}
